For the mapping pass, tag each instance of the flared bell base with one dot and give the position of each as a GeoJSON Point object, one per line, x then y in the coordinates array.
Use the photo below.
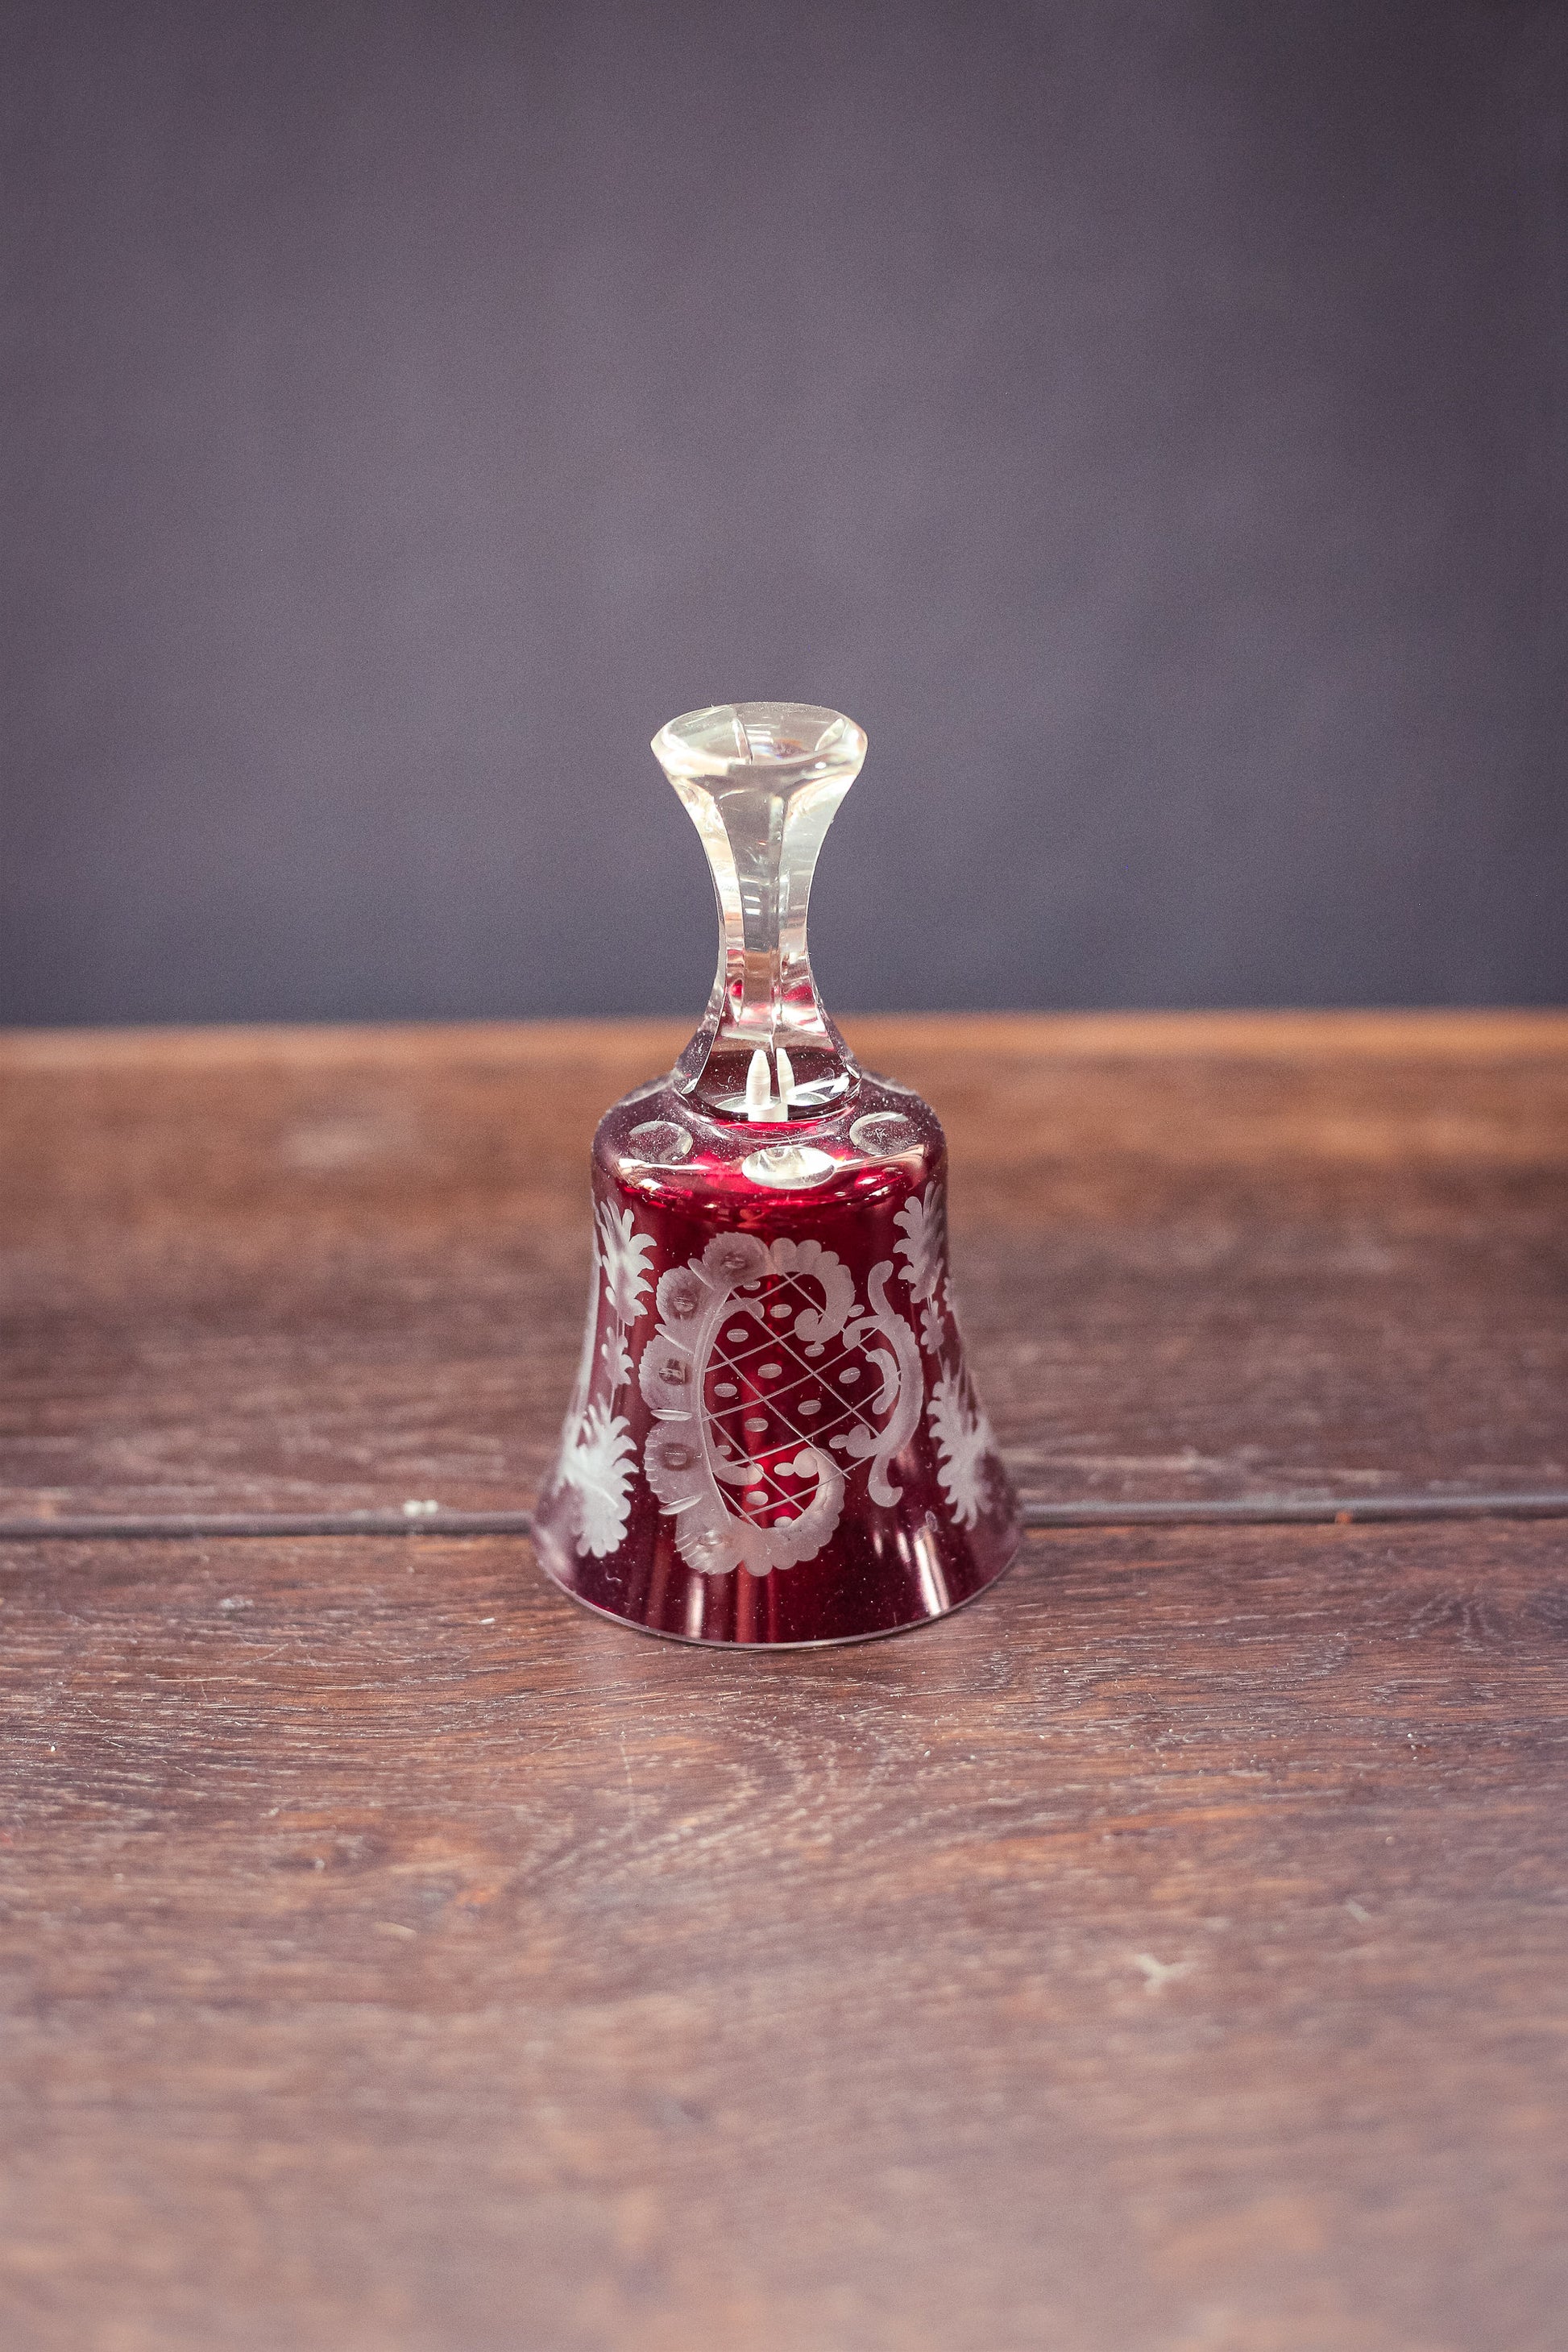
{"type": "Point", "coordinates": [877, 1578]}
{"type": "Point", "coordinates": [774, 1439]}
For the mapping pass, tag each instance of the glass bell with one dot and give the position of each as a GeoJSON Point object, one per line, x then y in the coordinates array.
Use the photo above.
{"type": "Point", "coordinates": [773, 1437]}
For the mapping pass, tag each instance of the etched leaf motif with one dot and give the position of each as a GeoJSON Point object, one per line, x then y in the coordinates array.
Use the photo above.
{"type": "Point", "coordinates": [623, 1254]}
{"type": "Point", "coordinates": [963, 1440]}
{"type": "Point", "coordinates": [931, 1329]}
{"type": "Point", "coordinates": [921, 1222]}
{"type": "Point", "coordinates": [598, 1467]}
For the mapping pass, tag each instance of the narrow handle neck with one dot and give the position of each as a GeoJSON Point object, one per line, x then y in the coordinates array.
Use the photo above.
{"type": "Point", "coordinates": [762, 782]}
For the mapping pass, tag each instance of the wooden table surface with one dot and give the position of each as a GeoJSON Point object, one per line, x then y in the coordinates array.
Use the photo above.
{"type": "Point", "coordinates": [1168, 1954]}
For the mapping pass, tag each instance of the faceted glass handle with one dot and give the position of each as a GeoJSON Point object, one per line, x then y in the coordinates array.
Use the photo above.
{"type": "Point", "coordinates": [762, 781]}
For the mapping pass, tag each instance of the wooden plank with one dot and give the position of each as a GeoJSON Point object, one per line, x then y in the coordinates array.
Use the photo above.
{"type": "Point", "coordinates": [1169, 1954]}
{"type": "Point", "coordinates": [1201, 1256]}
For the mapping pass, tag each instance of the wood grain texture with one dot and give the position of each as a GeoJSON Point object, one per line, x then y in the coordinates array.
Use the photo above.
{"type": "Point", "coordinates": [1200, 1255]}
{"type": "Point", "coordinates": [1168, 1954]}
{"type": "Point", "coordinates": [1165, 1955]}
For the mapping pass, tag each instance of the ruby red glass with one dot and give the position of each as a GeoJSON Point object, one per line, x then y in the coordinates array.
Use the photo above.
{"type": "Point", "coordinates": [773, 1437]}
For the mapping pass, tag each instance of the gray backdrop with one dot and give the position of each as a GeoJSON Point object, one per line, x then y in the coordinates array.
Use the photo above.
{"type": "Point", "coordinates": [1147, 419]}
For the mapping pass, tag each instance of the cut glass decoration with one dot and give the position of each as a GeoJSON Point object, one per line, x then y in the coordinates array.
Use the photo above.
{"type": "Point", "coordinates": [774, 1437]}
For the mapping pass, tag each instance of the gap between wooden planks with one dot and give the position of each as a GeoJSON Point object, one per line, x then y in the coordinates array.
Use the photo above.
{"type": "Point", "coordinates": [1265, 1510]}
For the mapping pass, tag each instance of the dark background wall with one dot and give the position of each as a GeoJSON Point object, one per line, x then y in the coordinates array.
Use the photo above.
{"type": "Point", "coordinates": [1148, 419]}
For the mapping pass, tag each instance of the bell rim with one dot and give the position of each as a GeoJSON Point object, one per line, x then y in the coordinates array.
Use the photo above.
{"type": "Point", "coordinates": [818, 1642]}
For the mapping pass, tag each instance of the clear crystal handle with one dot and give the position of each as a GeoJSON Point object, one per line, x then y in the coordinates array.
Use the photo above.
{"type": "Point", "coordinates": [762, 781]}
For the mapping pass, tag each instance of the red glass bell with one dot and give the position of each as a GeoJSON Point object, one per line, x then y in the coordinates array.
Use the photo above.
{"type": "Point", "coordinates": [773, 1437]}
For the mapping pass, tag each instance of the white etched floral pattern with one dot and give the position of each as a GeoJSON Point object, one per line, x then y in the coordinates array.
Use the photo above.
{"type": "Point", "coordinates": [598, 1466]}
{"type": "Point", "coordinates": [624, 1253]}
{"type": "Point", "coordinates": [964, 1441]}
{"type": "Point", "coordinates": [762, 1373]}
{"type": "Point", "coordinates": [923, 1220]}
{"type": "Point", "coordinates": [598, 1456]}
